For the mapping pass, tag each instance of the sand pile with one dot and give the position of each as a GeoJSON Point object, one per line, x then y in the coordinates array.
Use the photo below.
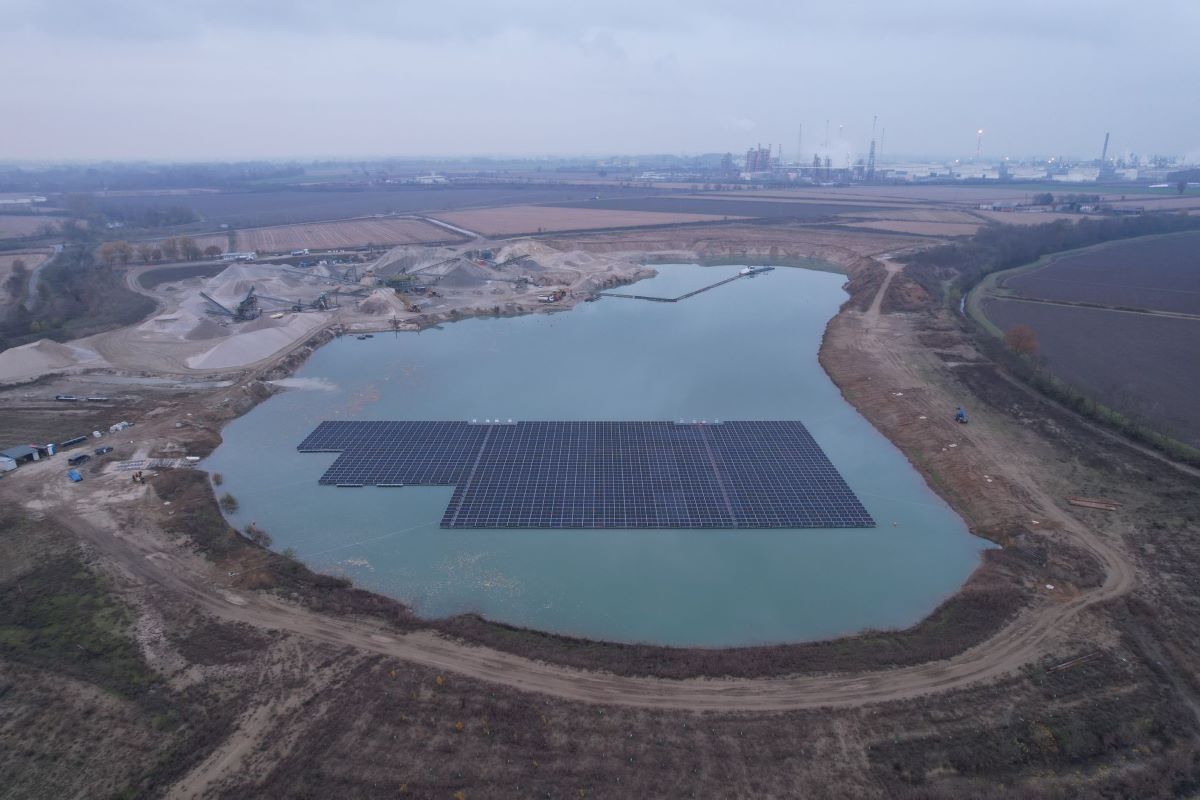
{"type": "Point", "coordinates": [231, 285]}
{"type": "Point", "coordinates": [526, 247]}
{"type": "Point", "coordinates": [37, 358]}
{"type": "Point", "coordinates": [410, 258]}
{"type": "Point", "coordinates": [248, 346]}
{"type": "Point", "coordinates": [206, 329]}
{"type": "Point", "coordinates": [261, 323]}
{"type": "Point", "coordinates": [375, 305]}
{"type": "Point", "coordinates": [466, 274]}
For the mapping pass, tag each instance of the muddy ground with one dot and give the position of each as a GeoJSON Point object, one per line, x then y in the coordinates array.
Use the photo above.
{"type": "Point", "coordinates": [147, 650]}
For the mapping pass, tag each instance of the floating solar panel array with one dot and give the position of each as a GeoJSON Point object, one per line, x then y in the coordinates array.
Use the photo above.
{"type": "Point", "coordinates": [601, 474]}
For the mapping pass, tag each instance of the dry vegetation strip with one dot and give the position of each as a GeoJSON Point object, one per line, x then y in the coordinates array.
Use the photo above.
{"type": "Point", "coordinates": [17, 225]}
{"type": "Point", "coordinates": [535, 219]}
{"type": "Point", "coordinates": [333, 235]}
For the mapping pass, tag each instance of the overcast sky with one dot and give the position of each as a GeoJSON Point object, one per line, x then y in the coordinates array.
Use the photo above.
{"type": "Point", "coordinates": [226, 79]}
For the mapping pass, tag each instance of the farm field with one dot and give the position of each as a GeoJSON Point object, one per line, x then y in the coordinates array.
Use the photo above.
{"type": "Point", "coordinates": [282, 207]}
{"type": "Point", "coordinates": [1134, 363]}
{"type": "Point", "coordinates": [16, 225]}
{"type": "Point", "coordinates": [919, 228]}
{"type": "Point", "coordinates": [937, 194]}
{"type": "Point", "coordinates": [1157, 273]}
{"type": "Point", "coordinates": [799, 197]}
{"type": "Point", "coordinates": [348, 233]}
{"type": "Point", "coordinates": [722, 207]}
{"type": "Point", "coordinates": [1187, 201]}
{"type": "Point", "coordinates": [921, 214]}
{"type": "Point", "coordinates": [535, 219]}
{"type": "Point", "coordinates": [1027, 218]}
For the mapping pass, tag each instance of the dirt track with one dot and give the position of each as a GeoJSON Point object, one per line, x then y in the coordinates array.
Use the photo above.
{"type": "Point", "coordinates": [886, 345]}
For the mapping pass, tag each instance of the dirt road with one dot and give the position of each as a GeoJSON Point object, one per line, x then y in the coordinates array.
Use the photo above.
{"type": "Point", "coordinates": [35, 275]}
{"type": "Point", "coordinates": [882, 345]}
{"type": "Point", "coordinates": [1014, 647]}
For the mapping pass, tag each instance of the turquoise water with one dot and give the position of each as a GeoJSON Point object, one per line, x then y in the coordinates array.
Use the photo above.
{"type": "Point", "coordinates": [746, 350]}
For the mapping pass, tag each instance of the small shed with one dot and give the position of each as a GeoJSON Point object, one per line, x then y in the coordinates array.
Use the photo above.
{"type": "Point", "coordinates": [21, 454]}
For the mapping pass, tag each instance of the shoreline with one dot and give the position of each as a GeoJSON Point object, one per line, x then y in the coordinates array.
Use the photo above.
{"type": "Point", "coordinates": [889, 648]}
{"type": "Point", "coordinates": [995, 623]}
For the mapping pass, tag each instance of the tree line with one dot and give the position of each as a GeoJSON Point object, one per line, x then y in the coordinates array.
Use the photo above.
{"type": "Point", "coordinates": [109, 176]}
{"type": "Point", "coordinates": [172, 249]}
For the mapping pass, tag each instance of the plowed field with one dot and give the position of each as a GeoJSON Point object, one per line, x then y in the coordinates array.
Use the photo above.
{"type": "Point", "coordinates": [1141, 365]}
{"type": "Point", "coordinates": [920, 228]}
{"type": "Point", "coordinates": [334, 235]}
{"type": "Point", "coordinates": [15, 225]}
{"type": "Point", "coordinates": [535, 219]}
{"type": "Point", "coordinates": [1161, 274]}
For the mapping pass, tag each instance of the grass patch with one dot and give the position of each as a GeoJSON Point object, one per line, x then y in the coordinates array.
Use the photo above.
{"type": "Point", "coordinates": [60, 616]}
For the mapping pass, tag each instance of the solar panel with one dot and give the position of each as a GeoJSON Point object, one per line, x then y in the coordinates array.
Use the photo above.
{"type": "Point", "coordinates": [601, 474]}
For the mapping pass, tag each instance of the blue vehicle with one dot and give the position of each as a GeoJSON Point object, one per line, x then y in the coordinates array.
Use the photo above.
{"type": "Point", "coordinates": [74, 475]}
{"type": "Point", "coordinates": [960, 416]}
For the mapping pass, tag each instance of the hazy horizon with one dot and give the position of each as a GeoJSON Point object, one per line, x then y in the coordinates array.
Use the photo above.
{"type": "Point", "coordinates": [130, 80]}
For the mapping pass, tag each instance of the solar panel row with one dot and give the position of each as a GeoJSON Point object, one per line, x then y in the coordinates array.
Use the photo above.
{"type": "Point", "coordinates": [601, 474]}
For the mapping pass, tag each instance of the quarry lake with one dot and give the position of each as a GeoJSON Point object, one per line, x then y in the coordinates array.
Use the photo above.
{"type": "Point", "coordinates": [744, 351]}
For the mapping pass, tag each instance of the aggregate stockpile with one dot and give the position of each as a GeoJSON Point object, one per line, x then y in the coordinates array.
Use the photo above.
{"type": "Point", "coordinates": [199, 325]}
{"type": "Point", "coordinates": [238, 343]}
{"type": "Point", "coordinates": [38, 358]}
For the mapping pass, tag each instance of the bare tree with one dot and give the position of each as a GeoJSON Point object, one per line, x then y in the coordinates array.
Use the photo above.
{"type": "Point", "coordinates": [108, 252]}
{"type": "Point", "coordinates": [124, 251]}
{"type": "Point", "coordinates": [188, 247]}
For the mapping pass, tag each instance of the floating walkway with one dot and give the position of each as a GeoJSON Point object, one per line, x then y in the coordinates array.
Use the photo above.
{"type": "Point", "coordinates": [752, 271]}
